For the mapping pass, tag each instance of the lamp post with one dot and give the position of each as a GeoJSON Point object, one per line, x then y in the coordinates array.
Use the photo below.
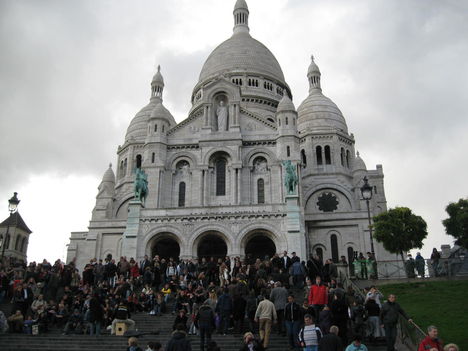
{"type": "Point", "coordinates": [12, 207]}
{"type": "Point", "coordinates": [366, 192]}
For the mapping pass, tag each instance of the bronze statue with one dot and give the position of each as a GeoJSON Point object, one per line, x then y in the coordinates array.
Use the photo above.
{"type": "Point", "coordinates": [290, 179]}
{"type": "Point", "coordinates": [141, 185]}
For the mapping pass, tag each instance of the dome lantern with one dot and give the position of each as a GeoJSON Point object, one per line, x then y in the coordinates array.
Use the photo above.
{"type": "Point", "coordinates": [157, 85]}
{"type": "Point", "coordinates": [313, 74]}
{"type": "Point", "coordinates": [241, 17]}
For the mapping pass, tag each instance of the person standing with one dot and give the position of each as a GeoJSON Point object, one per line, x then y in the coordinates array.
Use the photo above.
{"type": "Point", "coordinates": [224, 310]}
{"type": "Point", "coordinates": [179, 341]}
{"type": "Point", "coordinates": [435, 257]}
{"type": "Point", "coordinates": [331, 341]}
{"type": "Point", "coordinates": [265, 316]}
{"type": "Point", "coordinates": [310, 335]}
{"type": "Point", "coordinates": [279, 296]}
{"type": "Point", "coordinates": [205, 322]}
{"type": "Point", "coordinates": [292, 321]}
{"type": "Point", "coordinates": [420, 265]}
{"type": "Point", "coordinates": [389, 314]}
{"type": "Point", "coordinates": [318, 296]}
{"type": "Point", "coordinates": [431, 342]}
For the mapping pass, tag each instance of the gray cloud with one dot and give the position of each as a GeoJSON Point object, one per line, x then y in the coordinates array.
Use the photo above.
{"type": "Point", "coordinates": [74, 73]}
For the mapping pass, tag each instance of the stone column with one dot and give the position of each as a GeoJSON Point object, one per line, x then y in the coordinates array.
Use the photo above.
{"type": "Point", "coordinates": [130, 236]}
{"type": "Point", "coordinates": [295, 227]}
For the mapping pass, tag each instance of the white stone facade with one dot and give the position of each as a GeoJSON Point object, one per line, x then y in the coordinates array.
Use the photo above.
{"type": "Point", "coordinates": [216, 179]}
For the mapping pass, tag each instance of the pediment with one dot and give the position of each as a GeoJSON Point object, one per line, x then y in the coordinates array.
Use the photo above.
{"type": "Point", "coordinates": [252, 122]}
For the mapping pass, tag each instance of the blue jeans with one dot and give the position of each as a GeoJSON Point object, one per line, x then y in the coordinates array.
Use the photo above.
{"type": "Point", "coordinates": [311, 348]}
{"type": "Point", "coordinates": [292, 328]}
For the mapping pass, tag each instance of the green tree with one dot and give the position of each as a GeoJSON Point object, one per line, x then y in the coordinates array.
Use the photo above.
{"type": "Point", "coordinates": [457, 223]}
{"type": "Point", "coordinates": [399, 230]}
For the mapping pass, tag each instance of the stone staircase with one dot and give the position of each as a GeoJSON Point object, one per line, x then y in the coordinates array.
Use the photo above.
{"type": "Point", "coordinates": [154, 328]}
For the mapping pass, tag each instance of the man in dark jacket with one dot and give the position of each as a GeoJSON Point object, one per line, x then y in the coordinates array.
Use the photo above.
{"type": "Point", "coordinates": [224, 310]}
{"type": "Point", "coordinates": [179, 341]}
{"type": "Point", "coordinates": [389, 316]}
{"type": "Point", "coordinates": [331, 341]}
{"type": "Point", "coordinates": [292, 320]}
{"type": "Point", "coordinates": [205, 322]}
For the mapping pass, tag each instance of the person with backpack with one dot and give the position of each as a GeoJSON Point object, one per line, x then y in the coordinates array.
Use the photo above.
{"type": "Point", "coordinates": [310, 335]}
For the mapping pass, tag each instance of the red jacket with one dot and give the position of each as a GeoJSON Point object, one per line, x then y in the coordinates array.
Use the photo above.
{"type": "Point", "coordinates": [318, 295]}
{"type": "Point", "coordinates": [428, 344]}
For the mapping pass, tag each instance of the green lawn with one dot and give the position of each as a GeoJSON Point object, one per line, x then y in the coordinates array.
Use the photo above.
{"type": "Point", "coordinates": [443, 304]}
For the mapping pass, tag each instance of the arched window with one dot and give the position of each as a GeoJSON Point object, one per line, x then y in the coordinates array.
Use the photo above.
{"type": "Point", "coordinates": [138, 161]}
{"type": "Point", "coordinates": [182, 194]}
{"type": "Point", "coordinates": [261, 191]}
{"type": "Point", "coordinates": [288, 151]}
{"type": "Point", "coordinates": [327, 155]}
{"type": "Point", "coordinates": [279, 122]}
{"type": "Point", "coordinates": [121, 170]}
{"type": "Point", "coordinates": [318, 151]}
{"type": "Point", "coordinates": [286, 121]}
{"type": "Point", "coordinates": [303, 158]}
{"type": "Point", "coordinates": [125, 167]}
{"type": "Point", "coordinates": [7, 242]}
{"type": "Point", "coordinates": [319, 252]}
{"type": "Point", "coordinates": [23, 245]}
{"type": "Point", "coordinates": [334, 247]}
{"type": "Point", "coordinates": [220, 177]}
{"type": "Point", "coordinates": [347, 158]}
{"type": "Point", "coordinates": [17, 242]}
{"type": "Point", "coordinates": [342, 154]}
{"type": "Point", "coordinates": [153, 156]}
{"type": "Point", "coordinates": [155, 128]}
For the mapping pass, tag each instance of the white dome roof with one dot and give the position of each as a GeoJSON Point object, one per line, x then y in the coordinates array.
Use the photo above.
{"type": "Point", "coordinates": [285, 104]}
{"type": "Point", "coordinates": [109, 175]}
{"type": "Point", "coordinates": [318, 112]}
{"type": "Point", "coordinates": [358, 164]}
{"type": "Point", "coordinates": [161, 112]}
{"type": "Point", "coordinates": [241, 53]}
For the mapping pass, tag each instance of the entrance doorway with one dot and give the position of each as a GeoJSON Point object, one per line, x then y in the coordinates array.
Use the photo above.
{"type": "Point", "coordinates": [259, 246]}
{"type": "Point", "coordinates": [166, 248]}
{"type": "Point", "coordinates": [212, 245]}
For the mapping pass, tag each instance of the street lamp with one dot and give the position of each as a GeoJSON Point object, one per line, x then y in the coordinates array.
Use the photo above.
{"type": "Point", "coordinates": [12, 207]}
{"type": "Point", "coordinates": [366, 192]}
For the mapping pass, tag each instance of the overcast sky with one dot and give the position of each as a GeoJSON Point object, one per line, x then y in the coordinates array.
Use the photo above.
{"type": "Point", "coordinates": [74, 73]}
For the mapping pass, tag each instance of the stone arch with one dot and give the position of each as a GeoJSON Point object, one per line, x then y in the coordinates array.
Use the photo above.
{"type": "Point", "coordinates": [219, 230]}
{"type": "Point", "coordinates": [152, 234]}
{"type": "Point", "coordinates": [182, 155]}
{"type": "Point", "coordinates": [211, 153]}
{"type": "Point", "coordinates": [320, 247]}
{"type": "Point", "coordinates": [121, 206]}
{"type": "Point", "coordinates": [268, 230]}
{"type": "Point", "coordinates": [264, 152]}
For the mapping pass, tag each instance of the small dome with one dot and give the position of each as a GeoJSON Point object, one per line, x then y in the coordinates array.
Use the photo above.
{"type": "Point", "coordinates": [161, 112]}
{"type": "Point", "coordinates": [358, 164]}
{"type": "Point", "coordinates": [109, 175]}
{"type": "Point", "coordinates": [318, 112]}
{"type": "Point", "coordinates": [158, 78]}
{"type": "Point", "coordinates": [139, 124]}
{"type": "Point", "coordinates": [241, 4]}
{"type": "Point", "coordinates": [313, 68]}
{"type": "Point", "coordinates": [241, 54]}
{"type": "Point", "coordinates": [285, 104]}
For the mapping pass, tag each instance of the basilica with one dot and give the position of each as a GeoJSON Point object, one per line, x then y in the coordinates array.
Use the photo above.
{"type": "Point", "coordinates": [244, 174]}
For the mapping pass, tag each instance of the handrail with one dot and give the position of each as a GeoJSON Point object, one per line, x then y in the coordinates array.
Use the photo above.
{"type": "Point", "coordinates": [409, 334]}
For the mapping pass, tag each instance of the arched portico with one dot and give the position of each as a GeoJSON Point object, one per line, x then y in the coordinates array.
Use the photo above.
{"type": "Point", "coordinates": [259, 243]}
{"type": "Point", "coordinates": [211, 243]}
{"type": "Point", "coordinates": [165, 245]}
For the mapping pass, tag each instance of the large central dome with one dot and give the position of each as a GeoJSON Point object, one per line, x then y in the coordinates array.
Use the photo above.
{"type": "Point", "coordinates": [242, 53]}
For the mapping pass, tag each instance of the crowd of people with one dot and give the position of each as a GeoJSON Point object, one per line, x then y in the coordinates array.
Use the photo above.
{"type": "Point", "coordinates": [224, 295]}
